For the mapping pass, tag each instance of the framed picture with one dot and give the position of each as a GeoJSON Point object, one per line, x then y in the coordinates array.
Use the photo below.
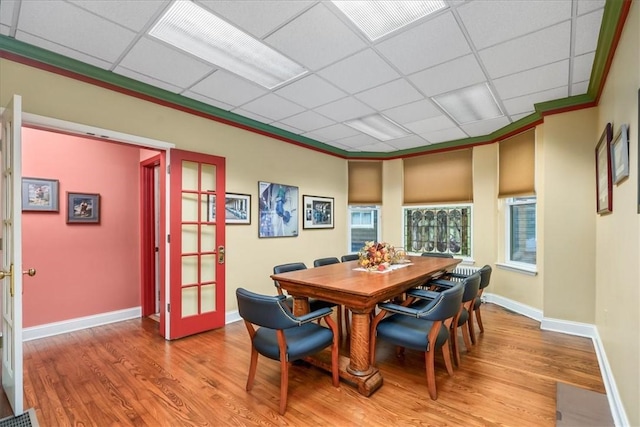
{"type": "Point", "coordinates": [40, 194]}
{"type": "Point", "coordinates": [83, 208]}
{"type": "Point", "coordinates": [620, 155]}
{"type": "Point", "coordinates": [237, 208]}
{"type": "Point", "coordinates": [278, 210]}
{"type": "Point", "coordinates": [317, 212]}
{"type": "Point", "coordinates": [603, 171]}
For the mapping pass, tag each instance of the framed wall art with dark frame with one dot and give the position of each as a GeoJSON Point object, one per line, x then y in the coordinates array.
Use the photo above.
{"type": "Point", "coordinates": [317, 212]}
{"type": "Point", "coordinates": [277, 210]}
{"type": "Point", "coordinates": [237, 208]}
{"type": "Point", "coordinates": [83, 208]}
{"type": "Point", "coordinates": [603, 172]}
{"type": "Point", "coordinates": [620, 155]}
{"type": "Point", "coordinates": [40, 195]}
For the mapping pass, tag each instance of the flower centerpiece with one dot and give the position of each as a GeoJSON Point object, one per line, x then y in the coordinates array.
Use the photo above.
{"type": "Point", "coordinates": [376, 256]}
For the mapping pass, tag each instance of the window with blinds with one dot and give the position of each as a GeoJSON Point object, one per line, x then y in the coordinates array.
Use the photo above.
{"type": "Point", "coordinates": [516, 173]}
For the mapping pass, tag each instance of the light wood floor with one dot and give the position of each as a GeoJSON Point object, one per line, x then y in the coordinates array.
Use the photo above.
{"type": "Point", "coordinates": [126, 374]}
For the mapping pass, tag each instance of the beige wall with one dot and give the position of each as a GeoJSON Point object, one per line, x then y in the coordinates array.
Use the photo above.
{"type": "Point", "coordinates": [617, 235]}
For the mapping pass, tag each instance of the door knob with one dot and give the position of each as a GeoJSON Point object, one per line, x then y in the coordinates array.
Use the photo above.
{"type": "Point", "coordinates": [31, 272]}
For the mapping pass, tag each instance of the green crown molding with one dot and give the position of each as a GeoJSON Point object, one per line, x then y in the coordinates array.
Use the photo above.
{"type": "Point", "coordinates": [614, 10]}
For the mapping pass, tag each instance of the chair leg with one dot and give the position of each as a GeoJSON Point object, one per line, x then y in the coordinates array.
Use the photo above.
{"type": "Point", "coordinates": [472, 329]}
{"type": "Point", "coordinates": [446, 355]}
{"type": "Point", "coordinates": [284, 385]}
{"type": "Point", "coordinates": [453, 337]}
{"type": "Point", "coordinates": [339, 309]}
{"type": "Point", "coordinates": [479, 319]}
{"type": "Point", "coordinates": [252, 368]}
{"type": "Point", "coordinates": [431, 374]}
{"type": "Point", "coordinates": [466, 338]}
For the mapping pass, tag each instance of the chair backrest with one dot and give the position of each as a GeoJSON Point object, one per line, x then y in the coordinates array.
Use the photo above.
{"type": "Point", "coordinates": [471, 286]}
{"type": "Point", "coordinates": [264, 310]}
{"type": "Point", "coordinates": [325, 261]}
{"type": "Point", "coordinates": [285, 268]}
{"type": "Point", "coordinates": [349, 257]}
{"type": "Point", "coordinates": [436, 255]}
{"type": "Point", "coordinates": [446, 305]}
{"type": "Point", "coordinates": [485, 276]}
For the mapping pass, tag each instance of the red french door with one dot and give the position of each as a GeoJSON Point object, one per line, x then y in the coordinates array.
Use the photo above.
{"type": "Point", "coordinates": [196, 241]}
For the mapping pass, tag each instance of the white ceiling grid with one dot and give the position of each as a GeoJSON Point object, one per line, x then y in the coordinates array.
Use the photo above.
{"type": "Point", "coordinates": [527, 51]}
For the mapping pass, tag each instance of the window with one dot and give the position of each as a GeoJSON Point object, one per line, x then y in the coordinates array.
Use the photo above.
{"type": "Point", "coordinates": [521, 230]}
{"type": "Point", "coordinates": [443, 229]}
{"type": "Point", "coordinates": [364, 226]}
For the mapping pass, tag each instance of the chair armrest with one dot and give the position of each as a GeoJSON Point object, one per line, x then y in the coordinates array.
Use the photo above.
{"type": "Point", "coordinates": [442, 283]}
{"type": "Point", "coordinates": [400, 309]}
{"type": "Point", "coordinates": [314, 315]}
{"type": "Point", "coordinates": [422, 293]}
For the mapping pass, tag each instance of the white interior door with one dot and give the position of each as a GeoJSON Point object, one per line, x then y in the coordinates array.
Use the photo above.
{"type": "Point", "coordinates": [11, 274]}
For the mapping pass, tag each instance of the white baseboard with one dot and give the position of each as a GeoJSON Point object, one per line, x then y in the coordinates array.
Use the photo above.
{"type": "Point", "coordinates": [232, 316]}
{"type": "Point", "coordinates": [56, 328]}
{"type": "Point", "coordinates": [577, 329]}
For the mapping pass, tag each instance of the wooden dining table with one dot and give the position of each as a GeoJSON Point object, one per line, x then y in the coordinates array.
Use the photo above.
{"type": "Point", "coordinates": [359, 291]}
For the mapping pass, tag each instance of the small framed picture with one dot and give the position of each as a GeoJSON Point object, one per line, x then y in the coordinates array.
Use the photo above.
{"type": "Point", "coordinates": [40, 194]}
{"type": "Point", "coordinates": [83, 208]}
{"type": "Point", "coordinates": [317, 212]}
{"type": "Point", "coordinates": [237, 208]}
{"type": "Point", "coordinates": [620, 155]}
{"type": "Point", "coordinates": [604, 203]}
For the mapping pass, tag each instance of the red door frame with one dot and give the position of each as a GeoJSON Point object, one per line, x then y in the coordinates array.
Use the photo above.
{"type": "Point", "coordinates": [148, 237]}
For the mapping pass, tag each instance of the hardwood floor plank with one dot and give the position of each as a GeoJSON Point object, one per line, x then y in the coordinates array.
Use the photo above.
{"type": "Point", "coordinates": [125, 374]}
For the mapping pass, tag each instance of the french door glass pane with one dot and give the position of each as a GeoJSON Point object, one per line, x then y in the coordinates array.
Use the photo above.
{"type": "Point", "coordinates": [189, 301]}
{"type": "Point", "coordinates": [208, 298]}
{"type": "Point", "coordinates": [189, 176]}
{"type": "Point", "coordinates": [189, 238]}
{"type": "Point", "coordinates": [189, 270]}
{"type": "Point", "coordinates": [189, 207]}
{"type": "Point", "coordinates": [207, 268]}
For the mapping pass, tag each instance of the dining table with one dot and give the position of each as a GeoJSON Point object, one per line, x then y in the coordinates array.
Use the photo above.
{"type": "Point", "coordinates": [359, 291]}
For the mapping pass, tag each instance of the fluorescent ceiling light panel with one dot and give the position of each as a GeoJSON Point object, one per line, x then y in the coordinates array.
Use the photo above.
{"type": "Point", "coordinates": [379, 127]}
{"type": "Point", "coordinates": [195, 30]}
{"type": "Point", "coordinates": [471, 104]}
{"type": "Point", "coordinates": [379, 18]}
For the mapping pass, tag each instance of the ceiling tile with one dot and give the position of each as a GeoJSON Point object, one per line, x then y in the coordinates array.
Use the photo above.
{"type": "Point", "coordinates": [345, 109]}
{"type": "Point", "coordinates": [587, 31]}
{"type": "Point", "coordinates": [582, 66]}
{"type": "Point", "coordinates": [430, 125]}
{"type": "Point", "coordinates": [452, 75]}
{"type": "Point", "coordinates": [252, 115]}
{"type": "Point", "coordinates": [273, 107]}
{"type": "Point", "coordinates": [579, 88]}
{"type": "Point", "coordinates": [286, 127]}
{"type": "Point", "coordinates": [256, 17]}
{"type": "Point", "coordinates": [358, 141]}
{"type": "Point", "coordinates": [531, 81]}
{"type": "Point", "coordinates": [207, 100]}
{"type": "Point", "coordinates": [310, 92]}
{"type": "Point", "coordinates": [89, 34]}
{"type": "Point", "coordinates": [411, 141]}
{"type": "Point", "coordinates": [153, 58]}
{"type": "Point", "coordinates": [333, 132]}
{"type": "Point", "coordinates": [378, 147]}
{"type": "Point", "coordinates": [308, 121]}
{"type": "Point", "coordinates": [444, 135]}
{"type": "Point", "coordinates": [228, 88]}
{"type": "Point", "coordinates": [533, 50]}
{"type": "Point", "coordinates": [485, 127]}
{"type": "Point", "coordinates": [62, 50]}
{"type": "Point", "coordinates": [517, 117]}
{"type": "Point", "coordinates": [6, 12]}
{"type": "Point", "coordinates": [132, 14]}
{"type": "Point", "coordinates": [488, 25]}
{"type": "Point", "coordinates": [147, 79]}
{"type": "Point", "coordinates": [588, 6]}
{"type": "Point", "coordinates": [525, 104]}
{"type": "Point", "coordinates": [413, 112]}
{"type": "Point", "coordinates": [316, 38]}
{"type": "Point", "coordinates": [4, 30]}
{"type": "Point", "coordinates": [390, 95]}
{"type": "Point", "coordinates": [431, 43]}
{"type": "Point", "coordinates": [359, 72]}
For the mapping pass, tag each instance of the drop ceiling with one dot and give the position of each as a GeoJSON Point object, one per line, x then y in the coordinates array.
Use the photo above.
{"type": "Point", "coordinates": [526, 52]}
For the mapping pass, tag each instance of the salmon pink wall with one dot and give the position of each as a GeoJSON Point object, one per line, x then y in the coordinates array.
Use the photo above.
{"type": "Point", "coordinates": [82, 269]}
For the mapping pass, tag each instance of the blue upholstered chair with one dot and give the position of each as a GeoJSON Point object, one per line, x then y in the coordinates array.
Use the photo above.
{"type": "Point", "coordinates": [349, 257]}
{"type": "Point", "coordinates": [423, 328]}
{"type": "Point", "coordinates": [343, 317]}
{"type": "Point", "coordinates": [314, 304]}
{"type": "Point", "coordinates": [471, 285]}
{"type": "Point", "coordinates": [284, 337]}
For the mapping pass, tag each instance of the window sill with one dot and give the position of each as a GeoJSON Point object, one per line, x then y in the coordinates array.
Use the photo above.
{"type": "Point", "coordinates": [518, 268]}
